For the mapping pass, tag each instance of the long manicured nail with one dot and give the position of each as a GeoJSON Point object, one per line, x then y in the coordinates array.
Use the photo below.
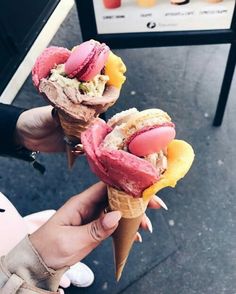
{"type": "Point", "coordinates": [149, 225]}
{"type": "Point", "coordinates": [111, 219]}
{"type": "Point", "coordinates": [160, 201]}
{"type": "Point", "coordinates": [139, 237]}
{"type": "Point", "coordinates": [54, 112]}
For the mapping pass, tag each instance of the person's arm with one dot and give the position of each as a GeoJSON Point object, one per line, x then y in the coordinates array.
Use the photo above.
{"type": "Point", "coordinates": [23, 133]}
{"type": "Point", "coordinates": [71, 234]}
{"type": "Point", "coordinates": [9, 115]}
{"type": "Point", "coordinates": [36, 264]}
{"type": "Point", "coordinates": [24, 270]}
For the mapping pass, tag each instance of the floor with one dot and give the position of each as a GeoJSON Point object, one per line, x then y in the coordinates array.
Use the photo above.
{"type": "Point", "coordinates": [193, 245]}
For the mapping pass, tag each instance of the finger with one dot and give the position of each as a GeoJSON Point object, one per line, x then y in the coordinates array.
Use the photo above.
{"type": "Point", "coordinates": [46, 117]}
{"type": "Point", "coordinates": [82, 207]}
{"type": "Point", "coordinates": [52, 116]}
{"type": "Point", "coordinates": [95, 193]}
{"type": "Point", "coordinates": [146, 223]}
{"type": "Point", "coordinates": [55, 115]}
{"type": "Point", "coordinates": [83, 239]}
{"type": "Point", "coordinates": [93, 196]}
{"type": "Point", "coordinates": [93, 233]}
{"type": "Point", "coordinates": [93, 202]}
{"type": "Point", "coordinates": [159, 201]}
{"type": "Point", "coordinates": [138, 238]}
{"type": "Point", "coordinates": [154, 204]}
{"type": "Point", "coordinates": [65, 282]}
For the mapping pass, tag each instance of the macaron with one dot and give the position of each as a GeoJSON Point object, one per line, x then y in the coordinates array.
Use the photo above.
{"type": "Point", "coordinates": [151, 141]}
{"type": "Point", "coordinates": [87, 60]}
{"type": "Point", "coordinates": [145, 120]}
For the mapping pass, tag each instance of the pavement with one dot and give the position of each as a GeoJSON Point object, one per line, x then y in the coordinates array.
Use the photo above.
{"type": "Point", "coordinates": [192, 249]}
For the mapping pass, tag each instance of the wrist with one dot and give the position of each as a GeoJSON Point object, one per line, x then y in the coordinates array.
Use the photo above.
{"type": "Point", "coordinates": [18, 136]}
{"type": "Point", "coordinates": [52, 258]}
{"type": "Point", "coordinates": [25, 261]}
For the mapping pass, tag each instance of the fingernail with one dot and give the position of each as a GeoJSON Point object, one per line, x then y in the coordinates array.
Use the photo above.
{"type": "Point", "coordinates": [111, 219]}
{"type": "Point", "coordinates": [139, 237]}
{"type": "Point", "coordinates": [160, 201]}
{"type": "Point", "coordinates": [54, 112]}
{"type": "Point", "coordinates": [149, 225]}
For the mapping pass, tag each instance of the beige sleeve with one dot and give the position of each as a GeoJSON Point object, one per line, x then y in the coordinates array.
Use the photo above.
{"type": "Point", "coordinates": [23, 271]}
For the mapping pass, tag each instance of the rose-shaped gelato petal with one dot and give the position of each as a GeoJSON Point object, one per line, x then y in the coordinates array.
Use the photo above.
{"type": "Point", "coordinates": [128, 172]}
{"type": "Point", "coordinates": [116, 168]}
{"type": "Point", "coordinates": [47, 60]}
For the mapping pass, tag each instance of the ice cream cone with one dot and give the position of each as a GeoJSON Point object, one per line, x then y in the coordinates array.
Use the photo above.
{"type": "Point", "coordinates": [76, 111]}
{"type": "Point", "coordinates": [132, 210]}
{"type": "Point", "coordinates": [72, 130]}
{"type": "Point", "coordinates": [80, 84]}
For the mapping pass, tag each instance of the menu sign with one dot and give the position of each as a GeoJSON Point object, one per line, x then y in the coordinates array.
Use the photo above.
{"type": "Point", "coordinates": [136, 16]}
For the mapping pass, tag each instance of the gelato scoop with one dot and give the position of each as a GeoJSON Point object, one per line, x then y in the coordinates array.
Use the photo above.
{"type": "Point", "coordinates": [131, 149]}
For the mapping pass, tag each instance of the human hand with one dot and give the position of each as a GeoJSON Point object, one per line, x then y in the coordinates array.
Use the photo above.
{"type": "Point", "coordinates": [146, 224]}
{"type": "Point", "coordinates": [38, 130]}
{"type": "Point", "coordinates": [76, 228]}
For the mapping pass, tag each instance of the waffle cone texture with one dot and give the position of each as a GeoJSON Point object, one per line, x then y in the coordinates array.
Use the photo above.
{"type": "Point", "coordinates": [132, 210]}
{"type": "Point", "coordinates": [72, 129]}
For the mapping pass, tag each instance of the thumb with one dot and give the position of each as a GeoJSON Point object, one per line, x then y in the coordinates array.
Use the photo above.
{"type": "Point", "coordinates": [102, 228]}
{"type": "Point", "coordinates": [55, 116]}
{"type": "Point", "coordinates": [49, 116]}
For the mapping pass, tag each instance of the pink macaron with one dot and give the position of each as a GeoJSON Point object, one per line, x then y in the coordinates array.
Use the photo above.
{"type": "Point", "coordinates": [87, 60]}
{"type": "Point", "coordinates": [151, 141]}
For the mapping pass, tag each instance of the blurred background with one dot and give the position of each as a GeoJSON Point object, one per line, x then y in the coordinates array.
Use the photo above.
{"type": "Point", "coordinates": [192, 248]}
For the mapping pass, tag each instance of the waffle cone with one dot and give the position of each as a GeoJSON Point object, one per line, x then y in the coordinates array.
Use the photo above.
{"type": "Point", "coordinates": [72, 129]}
{"type": "Point", "coordinates": [132, 210]}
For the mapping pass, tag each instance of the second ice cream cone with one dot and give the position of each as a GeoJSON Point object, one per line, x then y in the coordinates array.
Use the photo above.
{"type": "Point", "coordinates": [132, 210]}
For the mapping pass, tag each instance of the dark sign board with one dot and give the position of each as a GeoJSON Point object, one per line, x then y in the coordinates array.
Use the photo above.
{"type": "Point", "coordinates": [154, 23]}
{"type": "Point", "coordinates": [136, 16]}
{"type": "Point", "coordinates": [148, 23]}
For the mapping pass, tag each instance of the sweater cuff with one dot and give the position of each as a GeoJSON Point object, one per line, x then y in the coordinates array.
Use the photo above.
{"type": "Point", "coordinates": [9, 115]}
{"type": "Point", "coordinates": [25, 262]}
